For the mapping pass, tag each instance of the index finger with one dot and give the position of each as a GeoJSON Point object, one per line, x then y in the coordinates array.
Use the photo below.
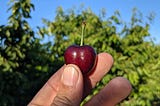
{"type": "Point", "coordinates": [104, 64]}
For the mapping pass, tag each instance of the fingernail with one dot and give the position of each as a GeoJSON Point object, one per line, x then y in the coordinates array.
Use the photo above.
{"type": "Point", "coordinates": [70, 76]}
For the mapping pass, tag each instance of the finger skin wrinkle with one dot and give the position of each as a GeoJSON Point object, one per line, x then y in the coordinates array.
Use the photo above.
{"type": "Point", "coordinates": [55, 89]}
{"type": "Point", "coordinates": [62, 100]}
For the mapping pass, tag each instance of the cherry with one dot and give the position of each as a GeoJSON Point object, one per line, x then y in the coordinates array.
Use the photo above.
{"type": "Point", "coordinates": [84, 56]}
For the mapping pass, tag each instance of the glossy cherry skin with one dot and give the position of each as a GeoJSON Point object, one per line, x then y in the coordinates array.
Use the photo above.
{"type": "Point", "coordinates": [82, 56]}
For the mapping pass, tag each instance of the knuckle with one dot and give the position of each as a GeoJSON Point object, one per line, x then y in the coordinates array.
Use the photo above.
{"type": "Point", "coordinates": [62, 101]}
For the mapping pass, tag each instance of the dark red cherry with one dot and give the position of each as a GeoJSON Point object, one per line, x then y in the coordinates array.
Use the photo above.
{"type": "Point", "coordinates": [82, 56]}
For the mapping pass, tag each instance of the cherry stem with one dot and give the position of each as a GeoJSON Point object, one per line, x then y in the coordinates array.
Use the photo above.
{"type": "Point", "coordinates": [82, 36]}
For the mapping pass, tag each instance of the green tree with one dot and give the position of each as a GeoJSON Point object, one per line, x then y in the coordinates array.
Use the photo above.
{"type": "Point", "coordinates": [135, 58]}
{"type": "Point", "coordinates": [15, 38]}
{"type": "Point", "coordinates": [26, 64]}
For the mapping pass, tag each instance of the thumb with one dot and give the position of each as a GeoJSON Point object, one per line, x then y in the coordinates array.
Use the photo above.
{"type": "Point", "coordinates": [71, 87]}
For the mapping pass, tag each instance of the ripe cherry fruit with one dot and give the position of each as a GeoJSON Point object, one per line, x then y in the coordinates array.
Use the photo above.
{"type": "Point", "coordinates": [84, 56]}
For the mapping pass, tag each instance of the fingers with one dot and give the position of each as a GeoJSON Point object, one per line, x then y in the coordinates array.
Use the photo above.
{"type": "Point", "coordinates": [69, 90]}
{"type": "Point", "coordinates": [49, 91]}
{"type": "Point", "coordinates": [71, 87]}
{"type": "Point", "coordinates": [104, 64]}
{"type": "Point", "coordinates": [116, 90]}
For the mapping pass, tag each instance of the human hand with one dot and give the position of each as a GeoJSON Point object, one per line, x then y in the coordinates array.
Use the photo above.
{"type": "Point", "coordinates": [68, 87]}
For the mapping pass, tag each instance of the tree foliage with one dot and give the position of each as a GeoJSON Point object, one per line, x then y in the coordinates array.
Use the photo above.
{"type": "Point", "coordinates": [25, 63]}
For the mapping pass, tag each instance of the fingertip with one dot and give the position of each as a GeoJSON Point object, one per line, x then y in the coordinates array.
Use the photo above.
{"type": "Point", "coordinates": [71, 87]}
{"type": "Point", "coordinates": [103, 66]}
{"type": "Point", "coordinates": [70, 76]}
{"type": "Point", "coordinates": [123, 84]}
{"type": "Point", "coordinates": [107, 56]}
{"type": "Point", "coordinates": [113, 93]}
{"type": "Point", "coordinates": [74, 66]}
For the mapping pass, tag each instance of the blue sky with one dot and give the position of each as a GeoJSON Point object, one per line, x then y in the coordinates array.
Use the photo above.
{"type": "Point", "coordinates": [46, 9]}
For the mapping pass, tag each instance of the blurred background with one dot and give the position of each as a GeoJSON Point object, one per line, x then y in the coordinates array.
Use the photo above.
{"type": "Point", "coordinates": [34, 35]}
